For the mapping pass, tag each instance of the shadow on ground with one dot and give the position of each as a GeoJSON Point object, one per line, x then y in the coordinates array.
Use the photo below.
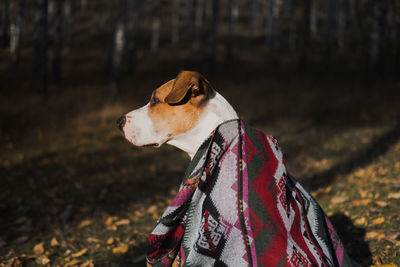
{"type": "Point", "coordinates": [353, 239]}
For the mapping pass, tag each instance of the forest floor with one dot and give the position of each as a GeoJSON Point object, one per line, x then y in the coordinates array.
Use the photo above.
{"type": "Point", "coordinates": [73, 192]}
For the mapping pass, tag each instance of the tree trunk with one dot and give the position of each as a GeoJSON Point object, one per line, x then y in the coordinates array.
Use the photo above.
{"type": "Point", "coordinates": [212, 37]}
{"type": "Point", "coordinates": [131, 47]}
{"type": "Point", "coordinates": [229, 40]}
{"type": "Point", "coordinates": [16, 33]}
{"type": "Point", "coordinates": [331, 32]}
{"type": "Point", "coordinates": [314, 18]}
{"type": "Point", "coordinates": [175, 21]}
{"type": "Point", "coordinates": [341, 24]}
{"type": "Point", "coordinates": [155, 31]}
{"type": "Point", "coordinates": [198, 23]}
{"type": "Point", "coordinates": [119, 43]}
{"type": "Point", "coordinates": [254, 17]}
{"type": "Point", "coordinates": [5, 22]}
{"type": "Point", "coordinates": [271, 23]}
{"type": "Point", "coordinates": [292, 25]}
{"type": "Point", "coordinates": [352, 15]}
{"type": "Point", "coordinates": [57, 44]}
{"type": "Point", "coordinates": [39, 56]}
{"type": "Point", "coordinates": [69, 14]}
{"type": "Point", "coordinates": [235, 12]}
{"type": "Point", "coordinates": [303, 61]}
{"type": "Point", "coordinates": [377, 36]}
{"type": "Point", "coordinates": [83, 5]}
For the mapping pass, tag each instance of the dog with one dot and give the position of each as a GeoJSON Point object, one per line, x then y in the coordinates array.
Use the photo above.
{"type": "Point", "coordinates": [237, 205]}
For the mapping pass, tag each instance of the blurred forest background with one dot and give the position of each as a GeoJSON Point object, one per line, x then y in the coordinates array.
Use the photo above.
{"type": "Point", "coordinates": [320, 75]}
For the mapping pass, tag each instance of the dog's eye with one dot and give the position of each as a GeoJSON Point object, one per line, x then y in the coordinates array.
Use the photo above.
{"type": "Point", "coordinates": [154, 100]}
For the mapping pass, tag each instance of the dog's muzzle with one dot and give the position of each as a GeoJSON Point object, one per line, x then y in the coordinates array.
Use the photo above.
{"type": "Point", "coordinates": [121, 122]}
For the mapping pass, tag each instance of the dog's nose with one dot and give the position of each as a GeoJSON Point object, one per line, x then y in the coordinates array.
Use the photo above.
{"type": "Point", "coordinates": [121, 122]}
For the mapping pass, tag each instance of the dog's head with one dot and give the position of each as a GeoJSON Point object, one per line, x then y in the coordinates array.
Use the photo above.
{"type": "Point", "coordinates": [174, 109]}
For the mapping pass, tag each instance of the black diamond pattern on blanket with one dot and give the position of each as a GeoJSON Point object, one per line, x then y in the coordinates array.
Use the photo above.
{"type": "Point", "coordinates": [213, 233]}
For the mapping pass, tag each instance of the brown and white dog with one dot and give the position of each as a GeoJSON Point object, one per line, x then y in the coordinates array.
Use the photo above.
{"type": "Point", "coordinates": [182, 113]}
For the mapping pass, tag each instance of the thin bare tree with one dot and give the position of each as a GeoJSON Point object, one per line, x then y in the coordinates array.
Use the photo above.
{"type": "Point", "coordinates": [212, 37]}
{"type": "Point", "coordinates": [175, 21]}
{"type": "Point", "coordinates": [57, 42]}
{"type": "Point", "coordinates": [5, 25]}
{"type": "Point", "coordinates": [118, 48]}
{"type": "Point", "coordinates": [39, 53]}
{"type": "Point", "coordinates": [199, 18]}
{"type": "Point", "coordinates": [377, 39]}
{"type": "Point", "coordinates": [16, 33]}
{"type": "Point", "coordinates": [229, 39]}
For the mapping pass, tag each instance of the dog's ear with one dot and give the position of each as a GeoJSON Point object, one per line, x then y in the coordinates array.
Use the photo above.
{"type": "Point", "coordinates": [188, 84]}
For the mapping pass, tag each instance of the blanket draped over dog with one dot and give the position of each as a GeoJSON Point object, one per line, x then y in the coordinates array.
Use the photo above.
{"type": "Point", "coordinates": [237, 206]}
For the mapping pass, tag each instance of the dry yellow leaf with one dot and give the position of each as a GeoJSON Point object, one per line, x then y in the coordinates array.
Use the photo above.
{"type": "Point", "coordinates": [79, 253]}
{"type": "Point", "coordinates": [121, 249]}
{"type": "Point", "coordinates": [85, 223]}
{"type": "Point", "coordinates": [381, 204]}
{"type": "Point", "coordinates": [87, 263]}
{"type": "Point", "coordinates": [123, 222]}
{"type": "Point", "coordinates": [112, 227]}
{"type": "Point", "coordinates": [110, 240]}
{"type": "Point", "coordinates": [378, 220]}
{"type": "Point", "coordinates": [54, 242]}
{"type": "Point", "coordinates": [362, 202]}
{"type": "Point", "coordinates": [38, 248]}
{"type": "Point", "coordinates": [72, 263]}
{"type": "Point", "coordinates": [361, 221]}
{"type": "Point", "coordinates": [92, 240]}
{"type": "Point", "coordinates": [339, 199]}
{"type": "Point", "coordinates": [394, 195]}
{"type": "Point", "coordinates": [371, 235]}
{"type": "Point", "coordinates": [42, 259]}
{"type": "Point", "coordinates": [363, 193]}
{"type": "Point", "coordinates": [152, 209]}
{"type": "Point", "coordinates": [110, 220]}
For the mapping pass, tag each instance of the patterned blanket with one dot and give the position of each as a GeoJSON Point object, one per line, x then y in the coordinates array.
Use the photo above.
{"type": "Point", "coordinates": [237, 206]}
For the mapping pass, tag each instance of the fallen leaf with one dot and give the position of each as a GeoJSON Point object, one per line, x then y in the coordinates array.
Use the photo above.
{"type": "Point", "coordinates": [394, 195]}
{"type": "Point", "coordinates": [110, 220]}
{"type": "Point", "coordinates": [42, 259]}
{"type": "Point", "coordinates": [123, 222]}
{"type": "Point", "coordinates": [378, 221]}
{"type": "Point", "coordinates": [361, 202]}
{"type": "Point", "coordinates": [87, 263]}
{"type": "Point", "coordinates": [85, 223]}
{"type": "Point", "coordinates": [361, 221]}
{"type": "Point", "coordinates": [339, 199]}
{"type": "Point", "coordinates": [381, 204]}
{"type": "Point", "coordinates": [54, 242]}
{"type": "Point", "coordinates": [112, 227]}
{"type": "Point", "coordinates": [72, 263]}
{"type": "Point", "coordinates": [121, 249]}
{"type": "Point", "coordinates": [371, 235]}
{"type": "Point", "coordinates": [38, 248]}
{"type": "Point", "coordinates": [152, 209]}
{"type": "Point", "coordinates": [92, 240]}
{"type": "Point", "coordinates": [79, 253]}
{"type": "Point", "coordinates": [363, 193]}
{"type": "Point", "coordinates": [110, 240]}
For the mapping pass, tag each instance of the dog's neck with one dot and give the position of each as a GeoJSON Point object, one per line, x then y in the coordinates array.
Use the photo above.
{"type": "Point", "coordinates": [217, 111]}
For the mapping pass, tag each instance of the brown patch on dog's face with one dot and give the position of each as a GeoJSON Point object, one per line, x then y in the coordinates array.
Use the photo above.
{"type": "Point", "coordinates": [191, 92]}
